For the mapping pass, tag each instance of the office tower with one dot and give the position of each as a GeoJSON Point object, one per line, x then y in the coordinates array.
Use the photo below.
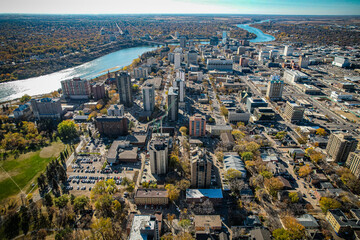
{"type": "Point", "coordinates": [293, 112]}
{"type": "Point", "coordinates": [275, 88]}
{"type": "Point", "coordinates": [173, 104]}
{"type": "Point", "coordinates": [288, 50]}
{"type": "Point", "coordinates": [263, 54]}
{"type": "Point", "coordinates": [171, 57]}
{"type": "Point", "coordinates": [243, 62]}
{"type": "Point", "coordinates": [353, 163]}
{"type": "Point", "coordinates": [214, 41]}
{"type": "Point", "coordinates": [124, 88]}
{"type": "Point", "coordinates": [201, 165]}
{"type": "Point", "coordinates": [224, 37]}
{"type": "Point", "coordinates": [197, 126]}
{"type": "Point", "coordinates": [46, 108]}
{"type": "Point", "coordinates": [158, 149]}
{"type": "Point", "coordinates": [180, 73]}
{"type": "Point", "coordinates": [340, 145]}
{"type": "Point", "coordinates": [182, 42]}
{"type": "Point", "coordinates": [76, 88]}
{"type": "Point", "coordinates": [149, 97]}
{"type": "Point", "coordinates": [220, 64]}
{"type": "Point", "coordinates": [177, 35]}
{"type": "Point", "coordinates": [303, 62]}
{"type": "Point", "coordinates": [180, 85]}
{"type": "Point", "coordinates": [241, 50]}
{"type": "Point", "coordinates": [192, 56]}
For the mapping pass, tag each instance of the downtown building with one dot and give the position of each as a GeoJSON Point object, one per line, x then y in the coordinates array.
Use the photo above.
{"type": "Point", "coordinates": [148, 97]}
{"type": "Point", "coordinates": [340, 145]}
{"type": "Point", "coordinates": [46, 108]}
{"type": "Point", "coordinates": [159, 154]}
{"type": "Point", "coordinates": [201, 165]}
{"type": "Point", "coordinates": [124, 86]}
{"type": "Point", "coordinates": [180, 85]}
{"type": "Point", "coordinates": [275, 88]}
{"type": "Point", "coordinates": [76, 88]}
{"type": "Point", "coordinates": [140, 72]}
{"type": "Point", "coordinates": [173, 104]}
{"type": "Point", "coordinates": [294, 112]}
{"type": "Point", "coordinates": [197, 126]}
{"type": "Point", "coordinates": [353, 163]}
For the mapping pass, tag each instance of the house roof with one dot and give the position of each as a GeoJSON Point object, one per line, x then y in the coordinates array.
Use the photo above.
{"type": "Point", "coordinates": [308, 221]}
{"type": "Point", "coordinates": [200, 193]}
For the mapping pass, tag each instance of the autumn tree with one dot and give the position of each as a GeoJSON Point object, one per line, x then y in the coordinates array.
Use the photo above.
{"type": "Point", "coordinates": [321, 132]}
{"type": "Point", "coordinates": [273, 185]}
{"type": "Point", "coordinates": [304, 170]}
{"type": "Point", "coordinates": [183, 130]}
{"type": "Point", "coordinates": [294, 197]}
{"type": "Point", "coordinates": [173, 192]}
{"type": "Point", "coordinates": [67, 131]}
{"type": "Point", "coordinates": [232, 174]}
{"type": "Point", "coordinates": [328, 203]}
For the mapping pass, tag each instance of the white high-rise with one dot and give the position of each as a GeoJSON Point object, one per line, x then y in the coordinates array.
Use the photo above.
{"type": "Point", "coordinates": [177, 58]}
{"type": "Point", "coordinates": [149, 97]}
{"type": "Point", "coordinates": [288, 50]}
{"type": "Point", "coordinates": [180, 84]}
{"type": "Point", "coordinates": [275, 88]}
{"type": "Point", "coordinates": [180, 73]}
{"type": "Point", "coordinates": [158, 149]}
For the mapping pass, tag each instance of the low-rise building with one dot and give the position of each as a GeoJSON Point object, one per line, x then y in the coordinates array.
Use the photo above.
{"type": "Point", "coordinates": [238, 116]}
{"type": "Point", "coordinates": [232, 160]}
{"type": "Point", "coordinates": [207, 223]}
{"type": "Point", "coordinates": [253, 103]}
{"type": "Point", "coordinates": [116, 110]}
{"type": "Point", "coordinates": [340, 223]}
{"type": "Point", "coordinates": [264, 114]}
{"type": "Point", "coordinates": [216, 130]}
{"type": "Point", "coordinates": [145, 227]}
{"type": "Point", "coordinates": [122, 151]}
{"type": "Point", "coordinates": [201, 195]}
{"type": "Point", "coordinates": [112, 126]}
{"type": "Point", "coordinates": [151, 197]}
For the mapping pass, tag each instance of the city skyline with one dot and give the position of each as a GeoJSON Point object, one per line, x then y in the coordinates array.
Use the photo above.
{"type": "Point", "coordinates": [275, 7]}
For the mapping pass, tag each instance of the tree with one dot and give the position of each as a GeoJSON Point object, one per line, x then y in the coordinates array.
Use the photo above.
{"type": "Point", "coordinates": [131, 125]}
{"type": "Point", "coordinates": [224, 111]}
{"type": "Point", "coordinates": [183, 184]}
{"type": "Point", "coordinates": [61, 201]}
{"type": "Point", "coordinates": [173, 192]}
{"type": "Point", "coordinates": [246, 156]}
{"type": "Point", "coordinates": [67, 131]}
{"type": "Point", "coordinates": [304, 170]}
{"type": "Point", "coordinates": [328, 203]}
{"type": "Point", "coordinates": [101, 187]}
{"type": "Point", "coordinates": [25, 219]}
{"type": "Point", "coordinates": [102, 229]}
{"type": "Point", "coordinates": [238, 135]}
{"type": "Point", "coordinates": [232, 174]}
{"type": "Point", "coordinates": [183, 130]}
{"type": "Point", "coordinates": [252, 147]}
{"type": "Point", "coordinates": [281, 234]}
{"type": "Point", "coordinates": [321, 132]}
{"type": "Point", "coordinates": [273, 185]}
{"type": "Point", "coordinates": [80, 203]}
{"type": "Point", "coordinates": [219, 156]}
{"type": "Point", "coordinates": [104, 205]}
{"type": "Point", "coordinates": [266, 174]}
{"type": "Point", "coordinates": [294, 197]}
{"type": "Point", "coordinates": [294, 228]}
{"type": "Point", "coordinates": [280, 135]}
{"type": "Point", "coordinates": [185, 223]}
{"type": "Point", "coordinates": [25, 98]}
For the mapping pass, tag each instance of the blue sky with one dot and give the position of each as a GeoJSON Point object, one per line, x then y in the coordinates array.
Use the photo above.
{"type": "Point", "coordinates": [285, 7]}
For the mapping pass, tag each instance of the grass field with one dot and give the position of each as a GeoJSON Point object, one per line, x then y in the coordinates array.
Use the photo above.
{"type": "Point", "coordinates": [25, 169]}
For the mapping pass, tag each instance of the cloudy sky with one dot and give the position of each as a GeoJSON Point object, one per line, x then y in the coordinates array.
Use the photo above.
{"type": "Point", "coordinates": [285, 7]}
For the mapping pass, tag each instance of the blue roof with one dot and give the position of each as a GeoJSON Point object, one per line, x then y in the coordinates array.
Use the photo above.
{"type": "Point", "coordinates": [199, 193]}
{"type": "Point", "coordinates": [21, 107]}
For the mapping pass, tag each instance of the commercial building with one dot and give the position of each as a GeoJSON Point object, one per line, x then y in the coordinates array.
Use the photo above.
{"type": "Point", "coordinates": [252, 103]}
{"type": "Point", "coordinates": [216, 130]}
{"type": "Point", "coordinates": [214, 41]}
{"type": "Point", "coordinates": [124, 86]}
{"type": "Point", "coordinates": [151, 197]}
{"type": "Point", "coordinates": [340, 223]}
{"type": "Point", "coordinates": [191, 57]}
{"type": "Point", "coordinates": [264, 114]}
{"type": "Point", "coordinates": [293, 112]}
{"type": "Point", "coordinates": [340, 145]}
{"type": "Point", "coordinates": [224, 37]}
{"type": "Point", "coordinates": [46, 108]}
{"type": "Point", "coordinates": [159, 154]}
{"type": "Point", "coordinates": [201, 195]}
{"type": "Point", "coordinates": [98, 90]}
{"type": "Point", "coordinates": [148, 97]}
{"type": "Point", "coordinates": [145, 227]}
{"type": "Point", "coordinates": [122, 151]}
{"type": "Point", "coordinates": [353, 163]}
{"type": "Point", "coordinates": [177, 58]}
{"type": "Point", "coordinates": [275, 88]}
{"type": "Point", "coordinates": [304, 62]}
{"type": "Point", "coordinates": [197, 126]}
{"type": "Point", "coordinates": [207, 223]}
{"type": "Point", "coordinates": [112, 126]}
{"type": "Point", "coordinates": [116, 110]}
{"type": "Point", "coordinates": [22, 111]}
{"type": "Point", "coordinates": [220, 65]}
{"type": "Point", "coordinates": [339, 97]}
{"type": "Point", "coordinates": [309, 89]}
{"type": "Point", "coordinates": [76, 88]}
{"type": "Point", "coordinates": [201, 165]}
{"type": "Point", "coordinates": [182, 42]}
{"type": "Point", "coordinates": [238, 116]}
{"type": "Point", "coordinates": [293, 76]}
{"type": "Point", "coordinates": [180, 74]}
{"type": "Point", "coordinates": [173, 104]}
{"type": "Point", "coordinates": [341, 62]}
{"type": "Point", "coordinates": [141, 73]}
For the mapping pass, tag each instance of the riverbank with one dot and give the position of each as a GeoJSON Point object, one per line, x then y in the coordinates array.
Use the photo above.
{"type": "Point", "coordinates": [41, 67]}
{"type": "Point", "coordinates": [260, 35]}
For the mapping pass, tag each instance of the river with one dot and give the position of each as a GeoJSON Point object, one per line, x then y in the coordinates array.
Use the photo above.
{"type": "Point", "coordinates": [51, 82]}
{"type": "Point", "coordinates": [113, 61]}
{"type": "Point", "coordinates": [260, 35]}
